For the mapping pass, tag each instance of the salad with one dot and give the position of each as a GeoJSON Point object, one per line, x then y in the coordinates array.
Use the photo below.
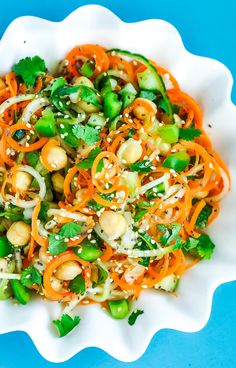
{"type": "Point", "coordinates": [108, 182]}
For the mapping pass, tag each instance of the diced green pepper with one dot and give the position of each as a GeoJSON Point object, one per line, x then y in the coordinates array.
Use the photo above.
{"type": "Point", "coordinates": [119, 308]}
{"type": "Point", "coordinates": [169, 133]}
{"type": "Point", "coordinates": [20, 292]}
{"type": "Point", "coordinates": [5, 246]}
{"type": "Point", "coordinates": [87, 69]}
{"type": "Point", "coordinates": [45, 126]}
{"type": "Point", "coordinates": [177, 161]}
{"type": "Point", "coordinates": [128, 94]}
{"type": "Point", "coordinates": [66, 133]}
{"type": "Point", "coordinates": [88, 253]}
{"type": "Point", "coordinates": [112, 105]}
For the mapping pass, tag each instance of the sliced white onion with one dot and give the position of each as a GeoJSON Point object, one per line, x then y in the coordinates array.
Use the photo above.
{"type": "Point", "coordinates": [13, 100]}
{"type": "Point", "coordinates": [73, 304]}
{"type": "Point", "coordinates": [195, 170]}
{"type": "Point", "coordinates": [42, 189]}
{"type": "Point", "coordinates": [28, 213]}
{"type": "Point", "coordinates": [132, 274]}
{"type": "Point", "coordinates": [153, 183]}
{"type": "Point", "coordinates": [9, 276]}
{"type": "Point", "coordinates": [74, 216]}
{"type": "Point", "coordinates": [226, 187]}
{"type": "Point", "coordinates": [18, 259]}
{"type": "Point", "coordinates": [32, 107]}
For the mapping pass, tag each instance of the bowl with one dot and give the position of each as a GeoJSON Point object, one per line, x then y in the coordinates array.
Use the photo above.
{"type": "Point", "coordinates": [210, 83]}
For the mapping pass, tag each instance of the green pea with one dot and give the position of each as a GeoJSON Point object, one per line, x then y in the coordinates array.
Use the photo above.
{"type": "Point", "coordinates": [119, 308]}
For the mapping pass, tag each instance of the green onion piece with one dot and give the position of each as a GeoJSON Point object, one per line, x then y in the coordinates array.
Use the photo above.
{"type": "Point", "coordinates": [169, 133]}
{"type": "Point", "coordinates": [118, 308]}
{"type": "Point", "coordinates": [177, 161]}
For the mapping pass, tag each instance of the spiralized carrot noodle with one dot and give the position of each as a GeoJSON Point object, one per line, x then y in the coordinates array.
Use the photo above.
{"type": "Point", "coordinates": [136, 185]}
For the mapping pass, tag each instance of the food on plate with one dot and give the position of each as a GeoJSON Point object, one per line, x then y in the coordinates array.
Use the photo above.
{"type": "Point", "coordinates": [108, 182]}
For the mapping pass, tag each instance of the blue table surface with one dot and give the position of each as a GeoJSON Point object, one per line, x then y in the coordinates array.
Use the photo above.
{"type": "Point", "coordinates": [208, 28]}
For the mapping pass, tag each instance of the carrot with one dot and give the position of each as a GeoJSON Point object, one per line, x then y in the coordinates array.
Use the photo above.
{"type": "Point", "coordinates": [112, 159]}
{"type": "Point", "coordinates": [44, 153]}
{"type": "Point", "coordinates": [35, 234]}
{"type": "Point", "coordinates": [108, 253]}
{"type": "Point", "coordinates": [51, 293]}
{"type": "Point", "coordinates": [31, 249]}
{"type": "Point", "coordinates": [28, 147]}
{"type": "Point", "coordinates": [118, 63]}
{"type": "Point", "coordinates": [189, 226]}
{"type": "Point", "coordinates": [106, 203]}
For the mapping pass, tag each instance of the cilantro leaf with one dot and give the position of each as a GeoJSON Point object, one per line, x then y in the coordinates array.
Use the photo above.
{"type": "Point", "coordinates": [188, 134]}
{"type": "Point", "coordinates": [88, 162]}
{"type": "Point", "coordinates": [145, 241]}
{"type": "Point", "coordinates": [56, 244]}
{"type": "Point", "coordinates": [205, 246]}
{"type": "Point", "coordinates": [43, 211]}
{"type": "Point", "coordinates": [170, 234]}
{"type": "Point", "coordinates": [70, 230]}
{"type": "Point", "coordinates": [141, 166]}
{"type": "Point", "coordinates": [29, 69]}
{"type": "Point", "coordinates": [56, 84]}
{"type": "Point", "coordinates": [31, 276]}
{"type": "Point", "coordinates": [134, 315]}
{"type": "Point", "coordinates": [66, 324]}
{"type": "Point", "coordinates": [77, 285]}
{"type": "Point", "coordinates": [144, 261]}
{"type": "Point", "coordinates": [88, 134]}
{"type": "Point", "coordinates": [190, 244]}
{"type": "Point", "coordinates": [161, 103]}
{"type": "Point", "coordinates": [204, 216]}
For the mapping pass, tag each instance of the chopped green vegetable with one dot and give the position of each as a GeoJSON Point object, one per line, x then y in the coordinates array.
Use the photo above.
{"type": "Point", "coordinates": [134, 315]}
{"type": "Point", "coordinates": [153, 192]}
{"type": "Point", "coordinates": [139, 214]}
{"type": "Point", "coordinates": [169, 133]}
{"type": "Point", "coordinates": [29, 69]}
{"type": "Point", "coordinates": [87, 94]}
{"type": "Point", "coordinates": [87, 69]}
{"type": "Point", "coordinates": [203, 217]}
{"type": "Point", "coordinates": [201, 247]}
{"type": "Point", "coordinates": [56, 244]}
{"type": "Point", "coordinates": [43, 211]}
{"type": "Point", "coordinates": [88, 162]}
{"type": "Point", "coordinates": [45, 126]}
{"type": "Point", "coordinates": [170, 234]}
{"type": "Point", "coordinates": [30, 276]}
{"type": "Point", "coordinates": [77, 285]}
{"type": "Point", "coordinates": [112, 105]}
{"type": "Point", "coordinates": [57, 83]}
{"type": "Point", "coordinates": [177, 161]}
{"type": "Point", "coordinates": [190, 244]}
{"type": "Point", "coordinates": [88, 253]}
{"type": "Point", "coordinates": [20, 292]}
{"type": "Point", "coordinates": [70, 230]}
{"type": "Point", "coordinates": [118, 308]}
{"type": "Point", "coordinates": [144, 166]}
{"type": "Point", "coordinates": [189, 134]}
{"type": "Point", "coordinates": [66, 324]}
{"type": "Point", "coordinates": [5, 246]}
{"type": "Point", "coordinates": [149, 95]}
{"type": "Point", "coordinates": [102, 275]}
{"type": "Point", "coordinates": [88, 134]}
{"type": "Point", "coordinates": [67, 135]}
{"type": "Point", "coordinates": [161, 103]}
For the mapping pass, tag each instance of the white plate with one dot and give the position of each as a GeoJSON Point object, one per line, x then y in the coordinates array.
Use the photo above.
{"type": "Point", "coordinates": [210, 83]}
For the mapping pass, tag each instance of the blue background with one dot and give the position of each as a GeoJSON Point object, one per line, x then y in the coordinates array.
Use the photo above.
{"type": "Point", "coordinates": [208, 28]}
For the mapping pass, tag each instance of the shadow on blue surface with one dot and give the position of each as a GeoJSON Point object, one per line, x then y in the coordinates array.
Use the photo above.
{"type": "Point", "coordinates": [208, 28]}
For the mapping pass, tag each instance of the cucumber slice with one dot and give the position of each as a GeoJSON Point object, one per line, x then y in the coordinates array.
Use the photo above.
{"type": "Point", "coordinates": [168, 284]}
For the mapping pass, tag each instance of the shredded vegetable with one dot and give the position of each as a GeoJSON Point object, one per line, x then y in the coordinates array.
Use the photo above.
{"type": "Point", "coordinates": [108, 181]}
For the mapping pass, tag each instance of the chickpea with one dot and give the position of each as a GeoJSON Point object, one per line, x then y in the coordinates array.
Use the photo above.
{"type": "Point", "coordinates": [83, 81]}
{"type": "Point", "coordinates": [202, 194]}
{"type": "Point", "coordinates": [79, 195]}
{"type": "Point", "coordinates": [19, 233]}
{"type": "Point", "coordinates": [113, 224]}
{"type": "Point", "coordinates": [68, 270]}
{"type": "Point", "coordinates": [129, 152]}
{"type": "Point", "coordinates": [21, 181]}
{"type": "Point", "coordinates": [3, 265]}
{"type": "Point", "coordinates": [44, 255]}
{"type": "Point", "coordinates": [2, 84]}
{"type": "Point", "coordinates": [56, 284]}
{"type": "Point", "coordinates": [57, 158]}
{"type": "Point", "coordinates": [58, 182]}
{"type": "Point", "coordinates": [141, 112]}
{"type": "Point", "coordinates": [164, 148]}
